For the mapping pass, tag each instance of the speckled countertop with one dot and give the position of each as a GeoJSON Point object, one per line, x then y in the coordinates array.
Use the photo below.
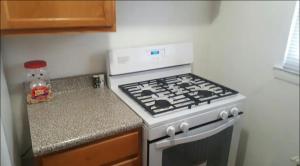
{"type": "Point", "coordinates": [78, 114]}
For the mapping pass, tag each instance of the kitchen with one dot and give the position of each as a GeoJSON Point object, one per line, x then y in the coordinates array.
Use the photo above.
{"type": "Point", "coordinates": [236, 44]}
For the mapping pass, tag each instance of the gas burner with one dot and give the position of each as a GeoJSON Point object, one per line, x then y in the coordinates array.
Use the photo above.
{"type": "Point", "coordinates": [202, 90]}
{"type": "Point", "coordinates": [184, 82]}
{"type": "Point", "coordinates": [146, 90]}
{"type": "Point", "coordinates": [162, 101]}
{"type": "Point", "coordinates": [161, 82]}
{"type": "Point", "coordinates": [146, 93]}
{"type": "Point", "coordinates": [184, 85]}
{"type": "Point", "coordinates": [160, 104]}
{"type": "Point", "coordinates": [184, 79]}
{"type": "Point", "coordinates": [175, 89]}
{"type": "Point", "coordinates": [205, 93]}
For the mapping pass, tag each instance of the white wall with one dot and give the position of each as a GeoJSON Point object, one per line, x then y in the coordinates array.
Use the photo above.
{"type": "Point", "coordinates": [236, 43]}
{"type": "Point", "coordinates": [138, 23]}
{"type": "Point", "coordinates": [247, 39]}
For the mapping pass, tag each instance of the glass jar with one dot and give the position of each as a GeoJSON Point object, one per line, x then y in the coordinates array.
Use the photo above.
{"type": "Point", "coordinates": [38, 86]}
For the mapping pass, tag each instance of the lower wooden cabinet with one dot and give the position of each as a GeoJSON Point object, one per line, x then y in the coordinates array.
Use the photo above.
{"type": "Point", "coordinates": [122, 150]}
{"type": "Point", "coordinates": [130, 162]}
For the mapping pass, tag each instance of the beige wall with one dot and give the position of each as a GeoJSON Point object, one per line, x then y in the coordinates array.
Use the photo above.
{"type": "Point", "coordinates": [236, 43]}
{"type": "Point", "coordinates": [246, 40]}
{"type": "Point", "coordinates": [138, 24]}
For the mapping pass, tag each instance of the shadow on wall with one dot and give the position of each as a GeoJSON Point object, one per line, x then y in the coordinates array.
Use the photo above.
{"type": "Point", "coordinates": [166, 13]}
{"type": "Point", "coordinates": [7, 124]}
{"type": "Point", "coordinates": [215, 8]}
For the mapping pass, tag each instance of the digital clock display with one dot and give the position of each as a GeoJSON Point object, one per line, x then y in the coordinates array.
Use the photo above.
{"type": "Point", "coordinates": [154, 52]}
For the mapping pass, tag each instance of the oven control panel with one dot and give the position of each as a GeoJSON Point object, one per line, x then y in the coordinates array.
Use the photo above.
{"type": "Point", "coordinates": [130, 60]}
{"type": "Point", "coordinates": [186, 124]}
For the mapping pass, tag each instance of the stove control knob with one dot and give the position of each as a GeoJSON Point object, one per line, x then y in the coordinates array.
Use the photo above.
{"type": "Point", "coordinates": [184, 127]}
{"type": "Point", "coordinates": [171, 131]}
{"type": "Point", "coordinates": [224, 115]}
{"type": "Point", "coordinates": [234, 111]}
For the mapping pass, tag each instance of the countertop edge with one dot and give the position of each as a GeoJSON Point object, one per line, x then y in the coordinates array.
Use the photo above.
{"type": "Point", "coordinates": [76, 143]}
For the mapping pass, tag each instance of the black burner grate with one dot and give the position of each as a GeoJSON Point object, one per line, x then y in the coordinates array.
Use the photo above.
{"type": "Point", "coordinates": [174, 93]}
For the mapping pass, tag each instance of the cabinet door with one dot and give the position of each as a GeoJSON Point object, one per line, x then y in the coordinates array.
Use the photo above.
{"type": "Point", "coordinates": [41, 14]}
{"type": "Point", "coordinates": [129, 162]}
{"type": "Point", "coordinates": [101, 153]}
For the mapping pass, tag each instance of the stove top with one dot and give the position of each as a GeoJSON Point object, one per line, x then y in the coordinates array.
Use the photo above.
{"type": "Point", "coordinates": [175, 93]}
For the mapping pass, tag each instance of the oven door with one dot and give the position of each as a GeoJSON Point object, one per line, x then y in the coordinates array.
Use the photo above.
{"type": "Point", "coordinates": [208, 145]}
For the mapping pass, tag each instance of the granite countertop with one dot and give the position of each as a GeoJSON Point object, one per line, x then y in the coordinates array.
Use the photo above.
{"type": "Point", "coordinates": [77, 114]}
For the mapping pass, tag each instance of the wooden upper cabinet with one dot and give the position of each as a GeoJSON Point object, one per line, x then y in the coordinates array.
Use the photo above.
{"type": "Point", "coordinates": [57, 15]}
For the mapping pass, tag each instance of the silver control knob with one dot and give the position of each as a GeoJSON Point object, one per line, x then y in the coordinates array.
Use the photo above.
{"type": "Point", "coordinates": [224, 115]}
{"type": "Point", "coordinates": [171, 131]}
{"type": "Point", "coordinates": [234, 111]}
{"type": "Point", "coordinates": [184, 127]}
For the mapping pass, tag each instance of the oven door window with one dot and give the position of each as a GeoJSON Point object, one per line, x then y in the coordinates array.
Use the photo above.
{"type": "Point", "coordinates": [210, 151]}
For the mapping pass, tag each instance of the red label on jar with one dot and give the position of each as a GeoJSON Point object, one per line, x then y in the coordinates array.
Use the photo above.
{"type": "Point", "coordinates": [39, 92]}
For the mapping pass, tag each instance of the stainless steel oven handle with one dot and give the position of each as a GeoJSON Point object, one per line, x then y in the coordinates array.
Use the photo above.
{"type": "Point", "coordinates": [172, 142]}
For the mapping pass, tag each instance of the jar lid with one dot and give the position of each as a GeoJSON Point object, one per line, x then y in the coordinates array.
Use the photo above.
{"type": "Point", "coordinates": [35, 64]}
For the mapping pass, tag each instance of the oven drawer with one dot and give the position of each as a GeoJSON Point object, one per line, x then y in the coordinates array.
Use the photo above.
{"type": "Point", "coordinates": [104, 152]}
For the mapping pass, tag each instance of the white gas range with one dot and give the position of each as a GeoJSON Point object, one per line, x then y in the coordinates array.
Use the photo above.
{"type": "Point", "coordinates": [188, 120]}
